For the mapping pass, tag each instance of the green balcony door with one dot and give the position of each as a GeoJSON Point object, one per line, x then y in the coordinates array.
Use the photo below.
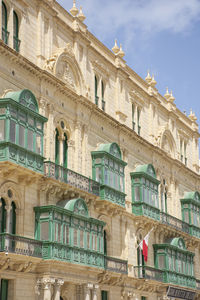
{"type": "Point", "coordinates": [104, 295]}
{"type": "Point", "coordinates": [4, 289]}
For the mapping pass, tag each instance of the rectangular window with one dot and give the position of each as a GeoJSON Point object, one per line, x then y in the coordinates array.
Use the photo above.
{"type": "Point", "coordinates": [12, 131]}
{"type": "Point", "coordinates": [57, 236]}
{"type": "Point", "coordinates": [161, 261]}
{"type": "Point", "coordinates": [31, 121]}
{"type": "Point", "coordinates": [2, 130]}
{"type": "Point", "coordinates": [44, 231]}
{"type": "Point", "coordinates": [98, 174]}
{"type": "Point", "coordinates": [30, 140]}
{"type": "Point", "coordinates": [106, 176]}
{"type": "Point", "coordinates": [21, 136]}
{"type": "Point", "coordinates": [88, 240]}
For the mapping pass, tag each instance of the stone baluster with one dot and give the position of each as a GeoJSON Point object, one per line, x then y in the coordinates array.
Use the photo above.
{"type": "Point", "coordinates": [95, 292]}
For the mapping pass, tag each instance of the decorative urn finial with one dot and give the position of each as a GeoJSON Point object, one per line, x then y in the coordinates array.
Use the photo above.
{"type": "Point", "coordinates": [167, 94]}
{"type": "Point", "coordinates": [81, 16]}
{"type": "Point", "coordinates": [148, 77]}
{"type": "Point", "coordinates": [153, 81]}
{"type": "Point", "coordinates": [115, 49]}
{"type": "Point", "coordinates": [74, 9]}
{"type": "Point", "coordinates": [121, 52]}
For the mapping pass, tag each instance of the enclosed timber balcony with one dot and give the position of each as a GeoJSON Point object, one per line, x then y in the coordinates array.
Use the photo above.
{"type": "Point", "coordinates": [57, 172]}
{"type": "Point", "coordinates": [11, 243]}
{"type": "Point", "coordinates": [165, 276]}
{"type": "Point", "coordinates": [112, 195]}
{"type": "Point", "coordinates": [116, 265]}
{"type": "Point", "coordinates": [57, 251]}
{"type": "Point", "coordinates": [144, 209]}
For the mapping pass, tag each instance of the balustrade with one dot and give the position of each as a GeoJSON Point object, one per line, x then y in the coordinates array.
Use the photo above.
{"type": "Point", "coordinates": [11, 243]}
{"type": "Point", "coordinates": [68, 176]}
{"type": "Point", "coordinates": [116, 265]}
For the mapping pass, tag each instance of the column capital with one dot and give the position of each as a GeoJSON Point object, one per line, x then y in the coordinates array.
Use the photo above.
{"type": "Point", "coordinates": [8, 208]}
{"type": "Point", "coordinates": [59, 282]}
{"type": "Point", "coordinates": [46, 282]}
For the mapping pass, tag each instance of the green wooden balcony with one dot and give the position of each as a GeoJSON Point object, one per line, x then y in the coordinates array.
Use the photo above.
{"type": "Point", "coordinates": [21, 156]}
{"type": "Point", "coordinates": [58, 251]}
{"type": "Point", "coordinates": [144, 209]}
{"type": "Point", "coordinates": [113, 195]}
{"type": "Point", "coordinates": [165, 276]}
{"type": "Point", "coordinates": [116, 265]}
{"type": "Point", "coordinates": [11, 243]}
{"type": "Point", "coordinates": [195, 231]}
{"type": "Point", "coordinates": [57, 172]}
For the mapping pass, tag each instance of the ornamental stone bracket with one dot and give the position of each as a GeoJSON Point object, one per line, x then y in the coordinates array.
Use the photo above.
{"type": "Point", "coordinates": [17, 266]}
{"type": "Point", "coordinates": [110, 279]}
{"type": "Point", "coordinates": [108, 208]}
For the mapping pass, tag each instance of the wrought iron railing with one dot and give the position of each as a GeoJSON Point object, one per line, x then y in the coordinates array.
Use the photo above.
{"type": "Point", "coordinates": [16, 43]}
{"type": "Point", "coordinates": [150, 273]}
{"type": "Point", "coordinates": [5, 35]}
{"type": "Point", "coordinates": [174, 222]}
{"type": "Point", "coordinates": [11, 243]}
{"type": "Point", "coordinates": [116, 265]}
{"type": "Point", "coordinates": [70, 177]}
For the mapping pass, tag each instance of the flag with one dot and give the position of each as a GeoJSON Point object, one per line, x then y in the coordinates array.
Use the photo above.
{"type": "Point", "coordinates": [144, 246]}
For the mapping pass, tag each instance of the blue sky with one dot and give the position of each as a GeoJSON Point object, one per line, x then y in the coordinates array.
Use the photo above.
{"type": "Point", "coordinates": [160, 35]}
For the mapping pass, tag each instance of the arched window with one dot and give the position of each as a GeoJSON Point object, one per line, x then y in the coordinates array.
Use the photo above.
{"type": "Point", "coordinates": [65, 150]}
{"type": "Point", "coordinates": [2, 216]}
{"type": "Point", "coordinates": [16, 41]}
{"type": "Point", "coordinates": [96, 91]}
{"type": "Point", "coordinates": [102, 96]}
{"type": "Point", "coordinates": [5, 33]}
{"type": "Point", "coordinates": [12, 228]}
{"type": "Point", "coordinates": [57, 148]}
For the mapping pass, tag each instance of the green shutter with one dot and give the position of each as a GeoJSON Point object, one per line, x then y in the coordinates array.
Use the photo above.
{"type": "Point", "coordinates": [65, 151]}
{"type": "Point", "coordinates": [4, 289]}
{"type": "Point", "coordinates": [57, 148]}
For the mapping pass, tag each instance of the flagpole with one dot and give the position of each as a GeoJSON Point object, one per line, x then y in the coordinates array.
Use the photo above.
{"type": "Point", "coordinates": [145, 236]}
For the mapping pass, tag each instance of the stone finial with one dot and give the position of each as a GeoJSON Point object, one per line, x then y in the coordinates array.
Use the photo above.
{"type": "Point", "coordinates": [171, 98]}
{"type": "Point", "coordinates": [153, 81]}
{"type": "Point", "coordinates": [74, 9]}
{"type": "Point", "coordinates": [121, 52]}
{"type": "Point", "coordinates": [115, 49]}
{"type": "Point", "coordinates": [148, 77]}
{"type": "Point", "coordinates": [192, 116]}
{"type": "Point", "coordinates": [167, 94]}
{"type": "Point", "coordinates": [81, 16]}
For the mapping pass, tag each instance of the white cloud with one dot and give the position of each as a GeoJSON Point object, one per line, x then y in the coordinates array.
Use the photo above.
{"type": "Point", "coordinates": [106, 17]}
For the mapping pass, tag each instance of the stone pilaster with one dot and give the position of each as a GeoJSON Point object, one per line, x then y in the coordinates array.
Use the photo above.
{"type": "Point", "coordinates": [95, 291]}
{"type": "Point", "coordinates": [57, 286]}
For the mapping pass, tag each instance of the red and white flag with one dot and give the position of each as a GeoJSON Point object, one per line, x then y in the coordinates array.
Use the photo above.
{"type": "Point", "coordinates": [144, 245]}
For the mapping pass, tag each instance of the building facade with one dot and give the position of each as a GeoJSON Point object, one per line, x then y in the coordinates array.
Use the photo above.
{"type": "Point", "coordinates": [94, 163]}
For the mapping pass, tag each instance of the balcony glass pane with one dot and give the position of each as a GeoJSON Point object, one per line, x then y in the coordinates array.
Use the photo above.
{"type": "Point", "coordinates": [44, 231]}
{"type": "Point", "coordinates": [106, 176]}
{"type": "Point", "coordinates": [161, 261]}
{"type": "Point", "coordinates": [98, 174]}
{"type": "Point", "coordinates": [12, 131]}
{"type": "Point", "coordinates": [65, 234]}
{"type": "Point", "coordinates": [21, 135]}
{"type": "Point", "coordinates": [81, 238]}
{"type": "Point", "coordinates": [75, 237]}
{"type": "Point", "coordinates": [137, 193]}
{"type": "Point", "coordinates": [30, 140]}
{"type": "Point", "coordinates": [186, 216]}
{"type": "Point", "coordinates": [38, 144]}
{"type": "Point", "coordinates": [2, 130]}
